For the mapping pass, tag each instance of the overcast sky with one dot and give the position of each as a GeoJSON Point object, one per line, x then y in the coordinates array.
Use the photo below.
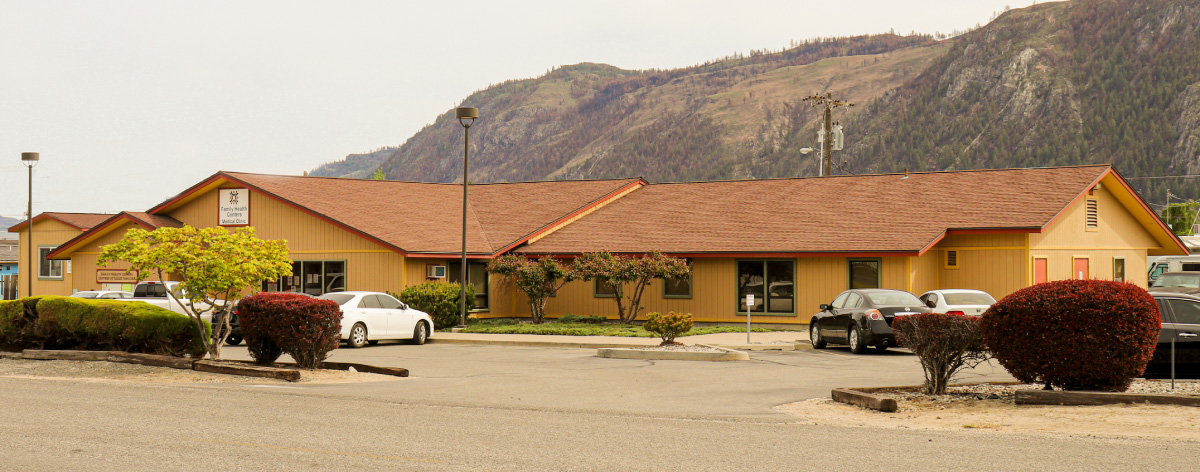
{"type": "Point", "coordinates": [130, 102]}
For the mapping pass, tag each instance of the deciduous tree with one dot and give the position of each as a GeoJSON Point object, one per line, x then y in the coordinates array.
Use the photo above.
{"type": "Point", "coordinates": [213, 266]}
{"type": "Point", "coordinates": [629, 276]}
{"type": "Point", "coordinates": [539, 279]}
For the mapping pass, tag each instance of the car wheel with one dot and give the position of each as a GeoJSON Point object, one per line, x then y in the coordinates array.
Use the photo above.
{"type": "Point", "coordinates": [855, 339]}
{"type": "Point", "coordinates": [814, 335]}
{"type": "Point", "coordinates": [880, 348]}
{"type": "Point", "coordinates": [420, 333]}
{"type": "Point", "coordinates": [233, 339]}
{"type": "Point", "coordinates": [358, 336]}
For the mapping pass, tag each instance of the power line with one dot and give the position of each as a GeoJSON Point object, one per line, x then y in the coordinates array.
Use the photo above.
{"type": "Point", "coordinates": [1161, 177]}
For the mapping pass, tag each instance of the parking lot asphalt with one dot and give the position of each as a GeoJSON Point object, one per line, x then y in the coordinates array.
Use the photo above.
{"type": "Point", "coordinates": [574, 379]}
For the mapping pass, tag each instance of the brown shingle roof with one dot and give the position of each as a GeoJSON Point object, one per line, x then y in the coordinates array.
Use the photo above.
{"type": "Point", "coordinates": [9, 250]}
{"type": "Point", "coordinates": [845, 214]}
{"type": "Point", "coordinates": [427, 217]}
{"type": "Point", "coordinates": [83, 221]}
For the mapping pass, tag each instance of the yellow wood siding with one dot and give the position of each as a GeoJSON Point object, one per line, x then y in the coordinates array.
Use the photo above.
{"type": "Point", "coordinates": [925, 271]}
{"type": "Point", "coordinates": [1119, 235]}
{"type": "Point", "coordinates": [84, 259]}
{"type": "Point", "coordinates": [45, 233]}
{"type": "Point", "coordinates": [714, 292]}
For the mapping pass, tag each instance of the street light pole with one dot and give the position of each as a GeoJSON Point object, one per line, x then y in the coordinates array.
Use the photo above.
{"type": "Point", "coordinates": [30, 159]}
{"type": "Point", "coordinates": [466, 117]}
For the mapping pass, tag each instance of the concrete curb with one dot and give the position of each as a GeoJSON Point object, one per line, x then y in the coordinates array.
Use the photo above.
{"type": "Point", "coordinates": [502, 342]}
{"type": "Point", "coordinates": [646, 354]}
{"type": "Point", "coordinates": [1058, 397]}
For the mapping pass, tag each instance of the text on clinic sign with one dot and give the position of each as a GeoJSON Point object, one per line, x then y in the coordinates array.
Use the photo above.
{"type": "Point", "coordinates": [234, 207]}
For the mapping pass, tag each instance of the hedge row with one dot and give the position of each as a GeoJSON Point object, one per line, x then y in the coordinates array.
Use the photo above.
{"type": "Point", "coordinates": [51, 322]}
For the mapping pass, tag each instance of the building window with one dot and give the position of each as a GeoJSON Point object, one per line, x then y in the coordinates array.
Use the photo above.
{"type": "Point", "coordinates": [678, 288]}
{"type": "Point", "coordinates": [1119, 269]}
{"type": "Point", "coordinates": [1093, 215]}
{"type": "Point", "coordinates": [602, 289]}
{"type": "Point", "coordinates": [864, 273]}
{"type": "Point", "coordinates": [773, 278]}
{"type": "Point", "coordinates": [951, 259]}
{"type": "Point", "coordinates": [311, 277]}
{"type": "Point", "coordinates": [477, 276]}
{"type": "Point", "coordinates": [48, 268]}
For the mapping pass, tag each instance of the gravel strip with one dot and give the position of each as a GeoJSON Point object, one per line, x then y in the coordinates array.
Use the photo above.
{"type": "Point", "coordinates": [909, 400]}
{"type": "Point", "coordinates": [680, 348]}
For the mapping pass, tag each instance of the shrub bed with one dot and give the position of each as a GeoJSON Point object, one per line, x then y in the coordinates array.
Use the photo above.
{"type": "Point", "coordinates": [305, 328]}
{"type": "Point", "coordinates": [588, 329]}
{"type": "Point", "coordinates": [52, 322]}
{"type": "Point", "coordinates": [1074, 334]}
{"type": "Point", "coordinates": [588, 319]}
{"type": "Point", "coordinates": [439, 299]}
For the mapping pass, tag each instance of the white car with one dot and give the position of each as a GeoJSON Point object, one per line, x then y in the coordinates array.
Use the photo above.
{"type": "Point", "coordinates": [368, 317]}
{"type": "Point", "coordinates": [103, 294]}
{"type": "Point", "coordinates": [962, 302]}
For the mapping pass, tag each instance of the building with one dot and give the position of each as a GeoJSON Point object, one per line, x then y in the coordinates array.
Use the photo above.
{"type": "Point", "coordinates": [794, 243]}
{"type": "Point", "coordinates": [50, 230]}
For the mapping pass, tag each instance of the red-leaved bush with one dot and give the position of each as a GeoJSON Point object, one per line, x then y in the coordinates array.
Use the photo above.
{"type": "Point", "coordinates": [943, 343]}
{"type": "Point", "coordinates": [1074, 334]}
{"type": "Point", "coordinates": [304, 327]}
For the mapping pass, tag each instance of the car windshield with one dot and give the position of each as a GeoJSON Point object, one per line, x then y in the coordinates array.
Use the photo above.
{"type": "Point", "coordinates": [1178, 280]}
{"type": "Point", "coordinates": [339, 298]}
{"type": "Point", "coordinates": [893, 299]}
{"type": "Point", "coordinates": [969, 298]}
{"type": "Point", "coordinates": [84, 295]}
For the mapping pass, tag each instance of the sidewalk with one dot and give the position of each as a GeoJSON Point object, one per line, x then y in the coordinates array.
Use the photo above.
{"type": "Point", "coordinates": [772, 340]}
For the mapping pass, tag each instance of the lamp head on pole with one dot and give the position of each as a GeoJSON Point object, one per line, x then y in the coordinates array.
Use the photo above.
{"type": "Point", "coordinates": [30, 159]}
{"type": "Point", "coordinates": [466, 113]}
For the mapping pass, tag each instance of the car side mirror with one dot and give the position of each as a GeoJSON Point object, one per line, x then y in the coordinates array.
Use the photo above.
{"type": "Point", "coordinates": [825, 307]}
{"type": "Point", "coordinates": [930, 303]}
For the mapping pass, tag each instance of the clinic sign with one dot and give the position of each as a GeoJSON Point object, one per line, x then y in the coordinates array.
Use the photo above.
{"type": "Point", "coordinates": [234, 207]}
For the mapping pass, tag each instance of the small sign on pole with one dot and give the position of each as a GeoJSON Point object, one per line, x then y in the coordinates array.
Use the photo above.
{"type": "Point", "coordinates": [749, 306]}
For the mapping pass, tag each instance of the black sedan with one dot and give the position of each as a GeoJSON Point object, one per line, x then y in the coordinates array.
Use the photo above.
{"type": "Point", "coordinates": [861, 318]}
{"type": "Point", "coordinates": [1181, 322]}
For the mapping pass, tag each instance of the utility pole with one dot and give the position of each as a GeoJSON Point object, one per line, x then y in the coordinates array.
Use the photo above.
{"type": "Point", "coordinates": [827, 147]}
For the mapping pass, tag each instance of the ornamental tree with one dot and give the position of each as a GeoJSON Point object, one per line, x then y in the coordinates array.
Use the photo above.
{"type": "Point", "coordinates": [943, 343]}
{"type": "Point", "coordinates": [539, 279]}
{"type": "Point", "coordinates": [629, 276]}
{"type": "Point", "coordinates": [213, 265]}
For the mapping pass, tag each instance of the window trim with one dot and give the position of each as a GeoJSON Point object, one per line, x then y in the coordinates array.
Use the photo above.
{"type": "Point", "coordinates": [1124, 269]}
{"type": "Point", "coordinates": [487, 282]}
{"type": "Point", "coordinates": [691, 269]}
{"type": "Point", "coordinates": [850, 273]}
{"type": "Point", "coordinates": [62, 267]}
{"type": "Point", "coordinates": [766, 287]}
{"type": "Point", "coordinates": [946, 260]}
{"type": "Point", "coordinates": [596, 289]}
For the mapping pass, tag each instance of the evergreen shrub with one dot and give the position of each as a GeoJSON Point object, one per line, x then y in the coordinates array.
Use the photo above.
{"type": "Point", "coordinates": [439, 299]}
{"type": "Point", "coordinates": [53, 322]}
{"type": "Point", "coordinates": [1074, 334]}
{"type": "Point", "coordinates": [668, 326]}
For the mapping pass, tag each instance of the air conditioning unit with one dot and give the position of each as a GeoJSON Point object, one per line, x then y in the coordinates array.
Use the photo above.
{"type": "Point", "coordinates": [435, 271]}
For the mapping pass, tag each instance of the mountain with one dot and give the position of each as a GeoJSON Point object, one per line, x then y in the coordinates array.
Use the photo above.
{"type": "Point", "coordinates": [5, 224]}
{"type": "Point", "coordinates": [1085, 81]}
{"type": "Point", "coordinates": [357, 166]}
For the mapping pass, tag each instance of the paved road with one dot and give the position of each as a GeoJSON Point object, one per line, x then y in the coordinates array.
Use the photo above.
{"type": "Point", "coordinates": [507, 408]}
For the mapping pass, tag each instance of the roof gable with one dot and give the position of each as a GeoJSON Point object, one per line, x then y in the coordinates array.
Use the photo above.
{"type": "Point", "coordinates": [423, 218]}
{"type": "Point", "coordinates": [142, 219]}
{"type": "Point", "coordinates": [80, 221]}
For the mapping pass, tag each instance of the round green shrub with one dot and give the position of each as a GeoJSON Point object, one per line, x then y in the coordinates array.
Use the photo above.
{"type": "Point", "coordinates": [668, 326]}
{"type": "Point", "coordinates": [1074, 334]}
{"type": "Point", "coordinates": [439, 299]}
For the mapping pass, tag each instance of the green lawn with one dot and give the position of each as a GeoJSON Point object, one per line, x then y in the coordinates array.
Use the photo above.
{"type": "Point", "coordinates": [591, 329]}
